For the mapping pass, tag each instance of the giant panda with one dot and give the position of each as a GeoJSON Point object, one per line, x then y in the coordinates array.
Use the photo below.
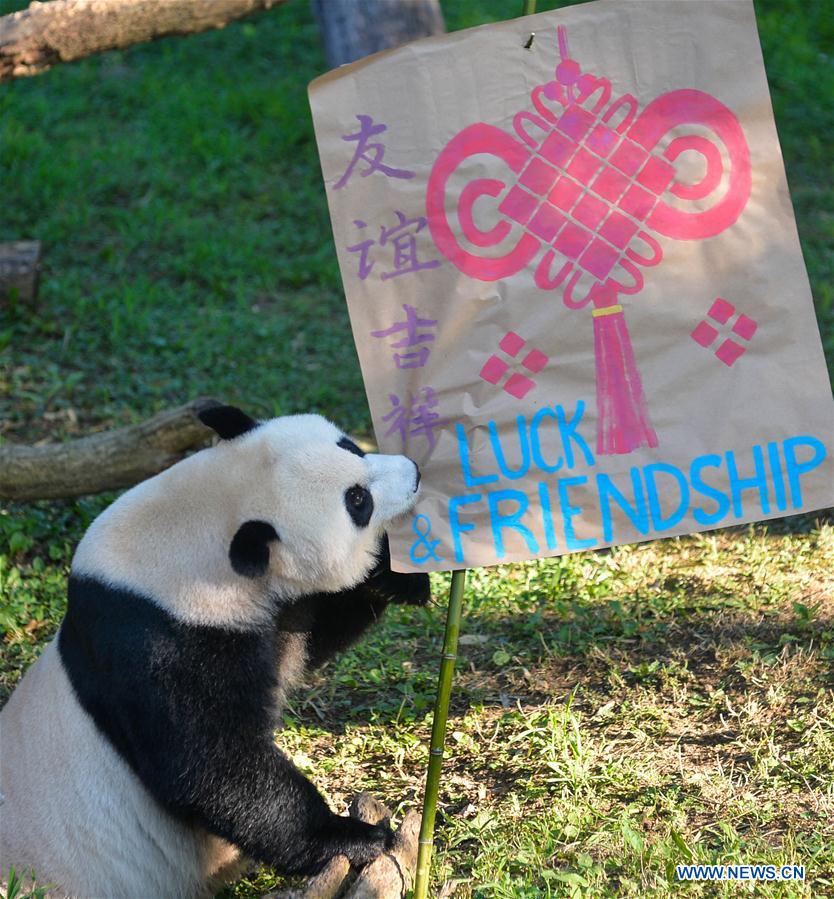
{"type": "Point", "coordinates": [137, 756]}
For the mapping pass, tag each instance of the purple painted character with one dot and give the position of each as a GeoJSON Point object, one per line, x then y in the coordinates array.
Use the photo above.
{"type": "Point", "coordinates": [366, 264]}
{"type": "Point", "coordinates": [411, 326]}
{"type": "Point", "coordinates": [403, 238]}
{"type": "Point", "coordinates": [370, 153]}
{"type": "Point", "coordinates": [404, 241]}
{"type": "Point", "coordinates": [415, 418]}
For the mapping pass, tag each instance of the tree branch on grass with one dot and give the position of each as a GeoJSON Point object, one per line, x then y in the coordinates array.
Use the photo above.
{"type": "Point", "coordinates": [34, 39]}
{"type": "Point", "coordinates": [105, 461]}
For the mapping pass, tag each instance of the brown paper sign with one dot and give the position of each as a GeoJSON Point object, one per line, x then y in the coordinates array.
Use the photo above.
{"type": "Point", "coordinates": [575, 282]}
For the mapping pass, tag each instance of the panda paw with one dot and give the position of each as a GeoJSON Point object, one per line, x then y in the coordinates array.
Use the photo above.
{"type": "Point", "coordinates": [398, 587]}
{"type": "Point", "coordinates": [411, 589]}
{"type": "Point", "coordinates": [362, 842]}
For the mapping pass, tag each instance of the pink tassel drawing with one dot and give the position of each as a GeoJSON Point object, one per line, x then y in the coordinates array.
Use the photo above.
{"type": "Point", "coordinates": [596, 181]}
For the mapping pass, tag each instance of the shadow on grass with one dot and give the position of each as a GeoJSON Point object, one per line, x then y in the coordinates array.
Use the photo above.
{"type": "Point", "coordinates": [515, 662]}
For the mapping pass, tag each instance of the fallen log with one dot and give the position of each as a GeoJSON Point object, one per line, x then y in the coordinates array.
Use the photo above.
{"type": "Point", "coordinates": [387, 877]}
{"type": "Point", "coordinates": [34, 39]}
{"type": "Point", "coordinates": [106, 461]}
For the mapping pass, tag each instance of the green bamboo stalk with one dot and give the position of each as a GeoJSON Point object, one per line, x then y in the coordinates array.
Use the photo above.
{"type": "Point", "coordinates": [438, 733]}
{"type": "Point", "coordinates": [441, 708]}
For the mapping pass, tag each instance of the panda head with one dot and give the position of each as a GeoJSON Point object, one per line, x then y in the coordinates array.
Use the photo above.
{"type": "Point", "coordinates": [276, 510]}
{"type": "Point", "coordinates": [313, 505]}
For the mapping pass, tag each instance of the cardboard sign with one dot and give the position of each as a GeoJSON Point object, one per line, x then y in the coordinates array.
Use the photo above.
{"type": "Point", "coordinates": [575, 282]}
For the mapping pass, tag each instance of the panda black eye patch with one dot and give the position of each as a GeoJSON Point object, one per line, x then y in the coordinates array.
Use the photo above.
{"type": "Point", "coordinates": [347, 444]}
{"type": "Point", "coordinates": [360, 505]}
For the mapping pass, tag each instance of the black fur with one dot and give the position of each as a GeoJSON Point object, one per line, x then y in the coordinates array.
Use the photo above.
{"type": "Point", "coordinates": [190, 708]}
{"type": "Point", "coordinates": [227, 421]}
{"type": "Point", "coordinates": [334, 621]}
{"type": "Point", "coordinates": [403, 589]}
{"type": "Point", "coordinates": [347, 444]}
{"type": "Point", "coordinates": [249, 549]}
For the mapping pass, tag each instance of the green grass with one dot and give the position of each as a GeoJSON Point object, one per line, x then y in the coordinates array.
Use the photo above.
{"type": "Point", "coordinates": [17, 888]}
{"type": "Point", "coordinates": [613, 714]}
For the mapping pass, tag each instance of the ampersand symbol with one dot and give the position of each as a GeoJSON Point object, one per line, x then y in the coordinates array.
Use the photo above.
{"type": "Point", "coordinates": [423, 541]}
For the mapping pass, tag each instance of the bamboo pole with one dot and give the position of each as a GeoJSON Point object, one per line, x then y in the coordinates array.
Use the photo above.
{"type": "Point", "coordinates": [441, 707]}
{"type": "Point", "coordinates": [438, 733]}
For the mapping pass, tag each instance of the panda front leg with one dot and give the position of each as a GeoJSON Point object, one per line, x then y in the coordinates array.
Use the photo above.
{"type": "Point", "coordinates": [267, 808]}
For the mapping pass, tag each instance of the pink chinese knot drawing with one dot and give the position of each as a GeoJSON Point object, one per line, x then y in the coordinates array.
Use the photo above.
{"type": "Point", "coordinates": [595, 183]}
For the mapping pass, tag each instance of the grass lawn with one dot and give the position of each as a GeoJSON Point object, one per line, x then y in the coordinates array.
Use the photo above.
{"type": "Point", "coordinates": [614, 713]}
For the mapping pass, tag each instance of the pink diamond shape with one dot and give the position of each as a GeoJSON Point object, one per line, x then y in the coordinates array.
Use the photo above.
{"type": "Point", "coordinates": [637, 202]}
{"type": "Point", "coordinates": [617, 229]}
{"type": "Point", "coordinates": [534, 361]}
{"type": "Point", "coordinates": [519, 386]}
{"type": "Point", "coordinates": [745, 326]}
{"type": "Point", "coordinates": [656, 175]}
{"type": "Point", "coordinates": [601, 140]}
{"type": "Point", "coordinates": [584, 166]}
{"type": "Point", "coordinates": [704, 334]}
{"type": "Point", "coordinates": [576, 121]}
{"type": "Point", "coordinates": [557, 148]}
{"type": "Point", "coordinates": [721, 310]}
{"type": "Point", "coordinates": [538, 176]}
{"type": "Point", "coordinates": [546, 222]}
{"type": "Point", "coordinates": [518, 205]}
{"type": "Point", "coordinates": [729, 351]}
{"type": "Point", "coordinates": [564, 194]}
{"type": "Point", "coordinates": [628, 157]}
{"type": "Point", "coordinates": [494, 369]}
{"type": "Point", "coordinates": [590, 211]}
{"type": "Point", "coordinates": [599, 259]}
{"type": "Point", "coordinates": [511, 343]}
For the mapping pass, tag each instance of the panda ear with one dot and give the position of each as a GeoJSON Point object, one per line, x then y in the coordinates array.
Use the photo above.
{"type": "Point", "coordinates": [227, 421]}
{"type": "Point", "coordinates": [249, 549]}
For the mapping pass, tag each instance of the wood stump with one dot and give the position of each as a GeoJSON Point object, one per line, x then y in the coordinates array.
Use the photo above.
{"type": "Point", "coordinates": [351, 29]}
{"type": "Point", "coordinates": [19, 270]}
{"type": "Point", "coordinates": [389, 876]}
